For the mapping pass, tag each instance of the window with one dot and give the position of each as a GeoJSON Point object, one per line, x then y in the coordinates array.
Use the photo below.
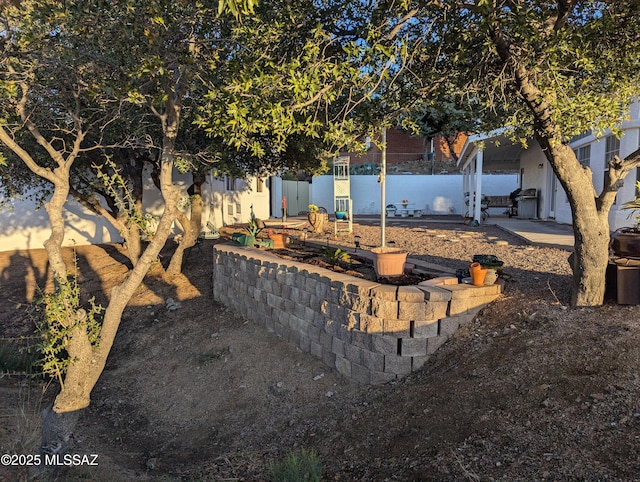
{"type": "Point", "coordinates": [238, 209]}
{"type": "Point", "coordinates": [612, 149]}
{"type": "Point", "coordinates": [583, 154]}
{"type": "Point", "coordinates": [259, 184]}
{"type": "Point", "coordinates": [230, 183]}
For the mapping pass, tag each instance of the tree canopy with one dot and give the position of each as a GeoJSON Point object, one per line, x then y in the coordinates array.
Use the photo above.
{"type": "Point", "coordinates": [582, 57]}
{"type": "Point", "coordinates": [548, 71]}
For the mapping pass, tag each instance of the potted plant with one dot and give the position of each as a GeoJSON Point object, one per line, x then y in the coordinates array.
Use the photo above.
{"type": "Point", "coordinates": [316, 219]}
{"type": "Point", "coordinates": [625, 242]}
{"type": "Point", "coordinates": [279, 239]}
{"type": "Point", "coordinates": [252, 233]}
{"type": "Point", "coordinates": [389, 261]}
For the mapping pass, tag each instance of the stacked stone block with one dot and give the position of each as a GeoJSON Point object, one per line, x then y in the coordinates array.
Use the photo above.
{"type": "Point", "coordinates": [369, 332]}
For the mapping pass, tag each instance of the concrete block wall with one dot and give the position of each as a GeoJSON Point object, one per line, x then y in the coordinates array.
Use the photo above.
{"type": "Point", "coordinates": [369, 332]}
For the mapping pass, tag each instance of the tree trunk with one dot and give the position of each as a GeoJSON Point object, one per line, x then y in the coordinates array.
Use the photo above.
{"type": "Point", "coordinates": [191, 227]}
{"type": "Point", "coordinates": [84, 369]}
{"type": "Point", "coordinates": [87, 362]}
{"type": "Point", "coordinates": [134, 170]}
{"type": "Point", "coordinates": [589, 212]}
{"type": "Point", "coordinates": [55, 207]}
{"type": "Point", "coordinates": [590, 225]}
{"type": "Point", "coordinates": [589, 261]}
{"type": "Point", "coordinates": [132, 240]}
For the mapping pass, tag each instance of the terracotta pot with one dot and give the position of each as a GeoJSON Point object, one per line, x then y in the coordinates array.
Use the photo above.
{"type": "Point", "coordinates": [316, 220]}
{"type": "Point", "coordinates": [478, 274]}
{"type": "Point", "coordinates": [389, 261]}
{"type": "Point", "coordinates": [279, 240]}
{"type": "Point", "coordinates": [474, 266]}
{"type": "Point", "coordinates": [625, 242]}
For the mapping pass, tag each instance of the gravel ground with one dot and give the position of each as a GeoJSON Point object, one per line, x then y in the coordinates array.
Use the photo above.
{"type": "Point", "coordinates": [541, 273]}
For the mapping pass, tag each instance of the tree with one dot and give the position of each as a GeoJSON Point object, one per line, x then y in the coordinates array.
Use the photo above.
{"type": "Point", "coordinates": [59, 111]}
{"type": "Point", "coordinates": [65, 76]}
{"type": "Point", "coordinates": [59, 93]}
{"type": "Point", "coordinates": [551, 70]}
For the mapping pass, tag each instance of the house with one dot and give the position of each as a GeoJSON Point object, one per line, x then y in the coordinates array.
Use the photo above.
{"type": "Point", "coordinates": [229, 200]}
{"type": "Point", "coordinates": [409, 154]}
{"type": "Point", "coordinates": [483, 152]}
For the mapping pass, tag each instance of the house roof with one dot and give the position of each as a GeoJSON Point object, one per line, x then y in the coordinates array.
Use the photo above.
{"type": "Point", "coordinates": [500, 153]}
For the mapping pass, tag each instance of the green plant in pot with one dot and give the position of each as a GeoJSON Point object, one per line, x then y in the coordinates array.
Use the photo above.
{"type": "Point", "coordinates": [625, 242]}
{"type": "Point", "coordinates": [253, 230]}
{"type": "Point", "coordinates": [316, 219]}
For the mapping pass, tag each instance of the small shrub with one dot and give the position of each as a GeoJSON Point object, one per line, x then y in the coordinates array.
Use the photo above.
{"type": "Point", "coordinates": [335, 255]}
{"type": "Point", "coordinates": [253, 229]}
{"type": "Point", "coordinates": [302, 467]}
{"type": "Point", "coordinates": [62, 314]}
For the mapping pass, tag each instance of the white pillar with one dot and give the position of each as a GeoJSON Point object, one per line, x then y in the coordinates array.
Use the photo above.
{"type": "Point", "coordinates": [477, 215]}
{"type": "Point", "coordinates": [472, 186]}
{"type": "Point", "coordinates": [465, 187]}
{"type": "Point", "coordinates": [383, 194]}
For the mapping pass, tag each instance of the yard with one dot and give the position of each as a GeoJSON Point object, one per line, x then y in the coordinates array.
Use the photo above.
{"type": "Point", "coordinates": [529, 390]}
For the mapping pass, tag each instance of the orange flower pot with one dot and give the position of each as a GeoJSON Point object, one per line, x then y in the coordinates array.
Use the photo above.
{"type": "Point", "coordinates": [478, 274]}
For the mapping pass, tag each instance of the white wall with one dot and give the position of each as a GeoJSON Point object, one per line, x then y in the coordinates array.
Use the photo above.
{"type": "Point", "coordinates": [433, 194]}
{"type": "Point", "coordinates": [224, 207]}
{"type": "Point", "coordinates": [25, 227]}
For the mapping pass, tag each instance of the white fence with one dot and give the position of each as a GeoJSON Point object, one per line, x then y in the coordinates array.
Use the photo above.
{"type": "Point", "coordinates": [433, 194]}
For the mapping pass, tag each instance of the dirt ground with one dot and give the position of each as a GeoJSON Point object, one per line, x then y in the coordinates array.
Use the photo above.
{"type": "Point", "coordinates": [530, 390]}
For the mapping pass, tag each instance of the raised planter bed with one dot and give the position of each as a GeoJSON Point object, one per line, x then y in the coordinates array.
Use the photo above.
{"type": "Point", "coordinates": [369, 332]}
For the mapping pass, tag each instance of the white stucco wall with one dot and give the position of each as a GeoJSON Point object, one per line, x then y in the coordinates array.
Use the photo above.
{"type": "Point", "coordinates": [432, 194]}
{"type": "Point", "coordinates": [22, 226]}
{"type": "Point", "coordinates": [224, 207]}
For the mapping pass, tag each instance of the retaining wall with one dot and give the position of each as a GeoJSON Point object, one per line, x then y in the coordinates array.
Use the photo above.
{"type": "Point", "coordinates": [369, 332]}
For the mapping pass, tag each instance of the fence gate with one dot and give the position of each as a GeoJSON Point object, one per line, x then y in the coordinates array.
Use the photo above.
{"type": "Point", "coordinates": [297, 194]}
